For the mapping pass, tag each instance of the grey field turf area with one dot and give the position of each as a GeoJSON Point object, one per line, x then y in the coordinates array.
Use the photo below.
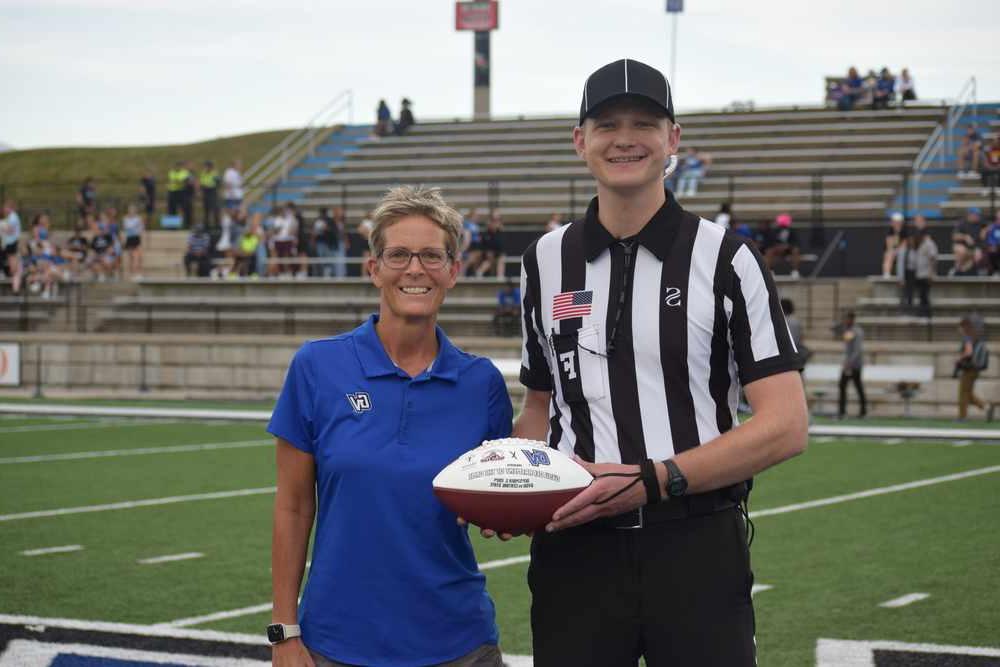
{"type": "Point", "coordinates": [168, 522]}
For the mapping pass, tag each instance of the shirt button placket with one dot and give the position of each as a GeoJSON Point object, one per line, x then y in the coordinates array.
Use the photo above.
{"type": "Point", "coordinates": [404, 417]}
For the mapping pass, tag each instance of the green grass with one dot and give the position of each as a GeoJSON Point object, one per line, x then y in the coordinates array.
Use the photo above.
{"type": "Point", "coordinates": [830, 566]}
{"type": "Point", "coordinates": [48, 178]}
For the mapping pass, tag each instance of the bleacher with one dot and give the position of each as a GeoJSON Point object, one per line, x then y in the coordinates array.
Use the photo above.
{"type": "Point", "coordinates": [765, 161]}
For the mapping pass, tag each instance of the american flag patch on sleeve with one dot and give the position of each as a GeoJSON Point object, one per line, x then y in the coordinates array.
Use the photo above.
{"type": "Point", "coordinates": [572, 304]}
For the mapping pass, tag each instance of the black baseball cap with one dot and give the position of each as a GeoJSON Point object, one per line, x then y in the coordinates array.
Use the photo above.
{"type": "Point", "coordinates": [622, 78]}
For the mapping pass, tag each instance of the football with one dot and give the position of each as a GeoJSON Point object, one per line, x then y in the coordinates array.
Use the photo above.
{"type": "Point", "coordinates": [511, 485]}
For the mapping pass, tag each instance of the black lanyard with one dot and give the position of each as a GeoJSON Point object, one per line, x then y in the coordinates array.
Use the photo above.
{"type": "Point", "coordinates": [622, 294]}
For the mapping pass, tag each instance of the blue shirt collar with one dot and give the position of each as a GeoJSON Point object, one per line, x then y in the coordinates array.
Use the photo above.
{"type": "Point", "coordinates": [376, 362]}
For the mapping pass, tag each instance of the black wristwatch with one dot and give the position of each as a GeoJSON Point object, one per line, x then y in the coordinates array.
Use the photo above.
{"type": "Point", "coordinates": [677, 483]}
{"type": "Point", "coordinates": [279, 632]}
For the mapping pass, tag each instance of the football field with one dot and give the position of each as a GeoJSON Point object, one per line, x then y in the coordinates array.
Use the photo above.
{"type": "Point", "coordinates": [166, 524]}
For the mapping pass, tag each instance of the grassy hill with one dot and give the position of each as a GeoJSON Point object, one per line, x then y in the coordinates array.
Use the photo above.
{"type": "Point", "coordinates": [48, 178]}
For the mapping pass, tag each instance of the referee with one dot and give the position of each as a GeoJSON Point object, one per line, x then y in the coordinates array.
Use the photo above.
{"type": "Point", "coordinates": [641, 323]}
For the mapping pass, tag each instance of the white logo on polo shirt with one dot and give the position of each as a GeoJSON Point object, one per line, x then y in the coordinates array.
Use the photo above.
{"type": "Point", "coordinates": [360, 401]}
{"type": "Point", "coordinates": [673, 296]}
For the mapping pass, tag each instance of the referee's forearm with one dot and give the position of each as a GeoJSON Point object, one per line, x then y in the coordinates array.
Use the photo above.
{"type": "Point", "coordinates": [533, 422]}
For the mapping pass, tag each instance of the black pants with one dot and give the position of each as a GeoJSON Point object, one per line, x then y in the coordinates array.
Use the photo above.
{"type": "Point", "coordinates": [210, 204]}
{"type": "Point", "coordinates": [853, 376]}
{"type": "Point", "coordinates": [174, 198]}
{"type": "Point", "coordinates": [677, 593]}
{"type": "Point", "coordinates": [922, 286]}
{"type": "Point", "coordinates": [187, 207]}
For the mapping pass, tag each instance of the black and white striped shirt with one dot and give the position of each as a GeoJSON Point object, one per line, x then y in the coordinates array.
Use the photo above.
{"type": "Point", "coordinates": [694, 313]}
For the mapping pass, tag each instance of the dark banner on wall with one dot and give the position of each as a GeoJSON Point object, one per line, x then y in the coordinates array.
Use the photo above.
{"type": "Point", "coordinates": [482, 59]}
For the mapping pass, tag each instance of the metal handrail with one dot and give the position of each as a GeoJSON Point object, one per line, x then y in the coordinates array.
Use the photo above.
{"type": "Point", "coordinates": [278, 158]}
{"type": "Point", "coordinates": [957, 110]}
{"type": "Point", "coordinates": [938, 145]}
{"type": "Point", "coordinates": [827, 252]}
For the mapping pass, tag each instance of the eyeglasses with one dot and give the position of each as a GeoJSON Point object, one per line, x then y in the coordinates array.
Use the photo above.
{"type": "Point", "coordinates": [399, 258]}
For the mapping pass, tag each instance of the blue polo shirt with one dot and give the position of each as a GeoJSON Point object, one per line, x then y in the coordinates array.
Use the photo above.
{"type": "Point", "coordinates": [394, 581]}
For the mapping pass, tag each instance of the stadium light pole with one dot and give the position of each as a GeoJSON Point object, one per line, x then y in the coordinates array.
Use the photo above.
{"type": "Point", "coordinates": [674, 7]}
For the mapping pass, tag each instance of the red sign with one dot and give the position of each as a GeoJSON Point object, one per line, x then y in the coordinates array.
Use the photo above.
{"type": "Point", "coordinates": [478, 16]}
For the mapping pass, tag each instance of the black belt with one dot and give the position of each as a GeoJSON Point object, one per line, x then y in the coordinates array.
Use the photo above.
{"type": "Point", "coordinates": [673, 509]}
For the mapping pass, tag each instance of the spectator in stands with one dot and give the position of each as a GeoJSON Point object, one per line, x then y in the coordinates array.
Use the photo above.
{"type": "Point", "coordinates": [86, 197]}
{"type": "Point", "coordinates": [555, 221]}
{"type": "Point", "coordinates": [694, 167]}
{"type": "Point", "coordinates": [225, 245]}
{"type": "Point", "coordinates": [406, 120]}
{"type": "Point", "coordinates": [304, 250]}
{"type": "Point", "coordinates": [743, 229]}
{"type": "Point", "coordinates": [853, 363]}
{"type": "Point", "coordinates": [893, 241]}
{"type": "Point", "coordinates": [365, 232]}
{"type": "Point", "coordinates": [188, 193]}
{"type": "Point", "coordinates": [323, 237]}
{"type": "Point", "coordinates": [133, 227]}
{"type": "Point", "coordinates": [867, 97]}
{"type": "Point", "coordinates": [102, 260]}
{"type": "Point", "coordinates": [383, 120]}
{"type": "Point", "coordinates": [507, 317]}
{"type": "Point", "coordinates": [284, 241]}
{"type": "Point", "coordinates": [245, 256]}
{"type": "Point", "coordinates": [76, 249]}
{"type": "Point", "coordinates": [905, 87]}
{"type": "Point", "coordinates": [208, 183]}
{"type": "Point", "coordinates": [966, 248]}
{"type": "Point", "coordinates": [43, 259]}
{"type": "Point", "coordinates": [492, 242]}
{"type": "Point", "coordinates": [991, 165]}
{"type": "Point", "coordinates": [850, 90]}
{"type": "Point", "coordinates": [973, 359]}
{"type": "Point", "coordinates": [991, 244]}
{"type": "Point", "coordinates": [915, 268]}
{"type": "Point", "coordinates": [10, 244]}
{"type": "Point", "coordinates": [884, 92]}
{"type": "Point", "coordinates": [197, 258]}
{"type": "Point", "coordinates": [919, 222]}
{"type": "Point", "coordinates": [472, 251]}
{"type": "Point", "coordinates": [724, 217]}
{"type": "Point", "coordinates": [969, 152]}
{"type": "Point", "coordinates": [783, 244]}
{"type": "Point", "coordinates": [232, 185]}
{"type": "Point", "coordinates": [147, 193]}
{"type": "Point", "coordinates": [795, 331]}
{"type": "Point", "coordinates": [343, 242]}
{"type": "Point", "coordinates": [177, 180]}
{"type": "Point", "coordinates": [762, 237]}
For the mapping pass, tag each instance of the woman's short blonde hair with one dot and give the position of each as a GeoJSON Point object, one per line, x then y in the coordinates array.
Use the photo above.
{"type": "Point", "coordinates": [407, 200]}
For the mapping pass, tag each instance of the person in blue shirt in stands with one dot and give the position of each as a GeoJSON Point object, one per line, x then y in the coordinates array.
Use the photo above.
{"type": "Point", "coordinates": [364, 422]}
{"type": "Point", "coordinates": [885, 90]}
{"type": "Point", "coordinates": [850, 90]}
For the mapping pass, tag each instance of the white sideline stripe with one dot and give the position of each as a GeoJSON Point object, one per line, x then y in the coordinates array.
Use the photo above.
{"type": "Point", "coordinates": [504, 562]}
{"type": "Point", "coordinates": [170, 449]}
{"type": "Point", "coordinates": [874, 492]}
{"type": "Point", "coordinates": [904, 600]}
{"type": "Point", "coordinates": [107, 411]}
{"type": "Point", "coordinates": [264, 415]}
{"type": "Point", "coordinates": [28, 428]}
{"type": "Point", "coordinates": [759, 588]}
{"type": "Point", "coordinates": [169, 559]}
{"type": "Point", "coordinates": [129, 504]}
{"type": "Point", "coordinates": [894, 441]}
{"type": "Point", "coordinates": [961, 443]}
{"type": "Point", "coordinates": [217, 616]}
{"type": "Point", "coordinates": [33, 653]}
{"type": "Point", "coordinates": [52, 550]}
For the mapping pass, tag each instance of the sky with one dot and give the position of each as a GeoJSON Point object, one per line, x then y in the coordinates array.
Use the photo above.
{"type": "Point", "coordinates": [146, 72]}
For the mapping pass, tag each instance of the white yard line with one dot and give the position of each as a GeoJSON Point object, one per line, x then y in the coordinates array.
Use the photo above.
{"type": "Point", "coordinates": [52, 550]}
{"type": "Point", "coordinates": [217, 616]}
{"type": "Point", "coordinates": [170, 449]}
{"type": "Point", "coordinates": [30, 428]}
{"type": "Point", "coordinates": [110, 411]}
{"type": "Point", "coordinates": [503, 562]}
{"type": "Point", "coordinates": [836, 500]}
{"type": "Point", "coordinates": [759, 588]}
{"type": "Point", "coordinates": [904, 600]}
{"type": "Point", "coordinates": [130, 504]}
{"type": "Point", "coordinates": [133, 629]}
{"type": "Point", "coordinates": [156, 560]}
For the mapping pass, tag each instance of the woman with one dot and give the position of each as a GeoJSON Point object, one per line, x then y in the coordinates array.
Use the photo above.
{"type": "Point", "coordinates": [133, 227]}
{"type": "Point", "coordinates": [893, 242]}
{"type": "Point", "coordinates": [364, 423]}
{"type": "Point", "coordinates": [973, 358]}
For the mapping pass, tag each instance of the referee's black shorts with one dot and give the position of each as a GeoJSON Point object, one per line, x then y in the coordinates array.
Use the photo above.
{"type": "Point", "coordinates": [676, 592]}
